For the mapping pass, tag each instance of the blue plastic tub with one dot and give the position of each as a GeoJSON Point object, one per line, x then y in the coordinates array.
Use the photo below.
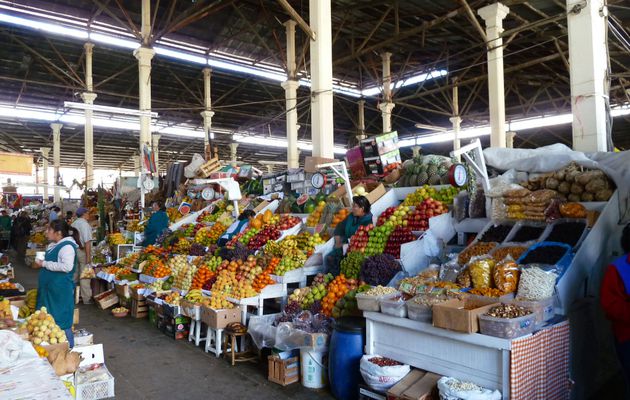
{"type": "Point", "coordinates": [346, 349]}
{"type": "Point", "coordinates": [562, 265]}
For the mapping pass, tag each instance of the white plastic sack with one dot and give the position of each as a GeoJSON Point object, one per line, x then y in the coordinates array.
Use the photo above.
{"type": "Point", "coordinates": [447, 392]}
{"type": "Point", "coordinates": [381, 378]}
{"type": "Point", "coordinates": [190, 171]}
{"type": "Point", "coordinates": [10, 348]}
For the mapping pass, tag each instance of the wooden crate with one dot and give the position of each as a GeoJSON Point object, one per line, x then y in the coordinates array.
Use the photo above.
{"type": "Point", "coordinates": [284, 372]}
{"type": "Point", "coordinates": [209, 167]}
{"type": "Point", "coordinates": [106, 299]}
{"type": "Point", "coordinates": [139, 308]}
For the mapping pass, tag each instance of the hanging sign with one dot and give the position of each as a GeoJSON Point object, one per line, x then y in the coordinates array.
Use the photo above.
{"type": "Point", "coordinates": [18, 164]}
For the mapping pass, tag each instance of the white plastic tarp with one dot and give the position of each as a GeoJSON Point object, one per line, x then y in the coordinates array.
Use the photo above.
{"type": "Point", "coordinates": [557, 156]}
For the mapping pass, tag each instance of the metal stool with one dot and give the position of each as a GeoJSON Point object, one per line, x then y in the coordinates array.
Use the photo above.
{"type": "Point", "coordinates": [231, 335]}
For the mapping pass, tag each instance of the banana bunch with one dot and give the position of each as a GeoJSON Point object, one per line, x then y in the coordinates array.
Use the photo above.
{"type": "Point", "coordinates": [31, 299]}
{"type": "Point", "coordinates": [194, 296]}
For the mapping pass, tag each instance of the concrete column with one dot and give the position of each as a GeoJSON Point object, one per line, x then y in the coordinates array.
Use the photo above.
{"type": "Point", "coordinates": [155, 146]}
{"type": "Point", "coordinates": [207, 113]}
{"type": "Point", "coordinates": [509, 137]}
{"type": "Point", "coordinates": [136, 165]}
{"type": "Point", "coordinates": [322, 128]}
{"type": "Point", "coordinates": [494, 14]}
{"type": "Point", "coordinates": [456, 120]}
{"type": "Point", "coordinates": [387, 106]}
{"type": "Point", "coordinates": [88, 98]}
{"type": "Point", "coordinates": [588, 69]}
{"type": "Point", "coordinates": [45, 152]}
{"type": "Point", "coordinates": [36, 178]}
{"type": "Point", "coordinates": [233, 147]}
{"type": "Point", "coordinates": [56, 128]}
{"type": "Point", "coordinates": [290, 94]}
{"type": "Point", "coordinates": [415, 150]}
{"type": "Point", "coordinates": [361, 121]}
{"type": "Point", "coordinates": [269, 169]}
{"type": "Point", "coordinates": [144, 56]}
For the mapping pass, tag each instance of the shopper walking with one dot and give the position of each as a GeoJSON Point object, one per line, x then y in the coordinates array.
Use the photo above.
{"type": "Point", "coordinates": [84, 251]}
{"type": "Point", "coordinates": [615, 300]}
{"type": "Point", "coordinates": [55, 289]}
{"type": "Point", "coordinates": [20, 234]}
{"type": "Point", "coordinates": [5, 230]}
{"type": "Point", "coordinates": [156, 225]}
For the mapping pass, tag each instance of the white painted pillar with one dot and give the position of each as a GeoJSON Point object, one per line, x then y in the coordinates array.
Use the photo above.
{"type": "Point", "coordinates": [144, 55]}
{"type": "Point", "coordinates": [456, 120]}
{"type": "Point", "coordinates": [45, 152]}
{"type": "Point", "coordinates": [387, 106]}
{"type": "Point", "coordinates": [494, 14]}
{"type": "Point", "coordinates": [88, 98]}
{"type": "Point", "coordinates": [415, 150]}
{"type": "Point", "coordinates": [270, 169]}
{"type": "Point", "coordinates": [207, 113]}
{"type": "Point", "coordinates": [36, 178]}
{"type": "Point", "coordinates": [136, 165]}
{"type": "Point", "coordinates": [155, 146]}
{"type": "Point", "coordinates": [322, 126]}
{"type": "Point", "coordinates": [56, 128]}
{"type": "Point", "coordinates": [509, 137]}
{"type": "Point", "coordinates": [361, 121]}
{"type": "Point", "coordinates": [588, 65]}
{"type": "Point", "coordinates": [290, 94]}
{"type": "Point", "coordinates": [233, 147]}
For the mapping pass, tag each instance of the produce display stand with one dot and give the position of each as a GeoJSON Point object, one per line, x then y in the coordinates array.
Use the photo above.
{"type": "Point", "coordinates": [276, 291]}
{"type": "Point", "coordinates": [484, 360]}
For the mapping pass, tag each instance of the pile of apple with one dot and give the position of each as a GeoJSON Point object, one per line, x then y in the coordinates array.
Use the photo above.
{"type": "Point", "coordinates": [267, 233]}
{"type": "Point", "coordinates": [399, 236]}
{"type": "Point", "coordinates": [249, 233]}
{"type": "Point", "coordinates": [395, 215]}
{"type": "Point", "coordinates": [287, 222]}
{"type": "Point", "coordinates": [359, 241]}
{"type": "Point", "coordinates": [378, 239]}
{"type": "Point", "coordinates": [418, 220]}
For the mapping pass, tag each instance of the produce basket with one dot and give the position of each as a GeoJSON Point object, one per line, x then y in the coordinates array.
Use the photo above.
{"type": "Point", "coordinates": [542, 226]}
{"type": "Point", "coordinates": [392, 306]}
{"type": "Point", "coordinates": [543, 309]}
{"type": "Point", "coordinates": [562, 264]}
{"type": "Point", "coordinates": [507, 328]}
{"type": "Point", "coordinates": [559, 221]}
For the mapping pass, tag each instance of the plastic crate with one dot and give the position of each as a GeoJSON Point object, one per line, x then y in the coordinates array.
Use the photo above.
{"type": "Point", "coordinates": [368, 303]}
{"type": "Point", "coordinates": [544, 309]}
{"type": "Point", "coordinates": [507, 328]}
{"type": "Point", "coordinates": [419, 312]}
{"type": "Point", "coordinates": [103, 389]}
{"type": "Point", "coordinates": [395, 308]}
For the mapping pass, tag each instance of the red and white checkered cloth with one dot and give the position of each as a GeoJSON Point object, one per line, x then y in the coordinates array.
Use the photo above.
{"type": "Point", "coordinates": [539, 367]}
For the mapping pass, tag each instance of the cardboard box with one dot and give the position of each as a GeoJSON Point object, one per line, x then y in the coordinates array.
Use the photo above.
{"type": "Point", "coordinates": [423, 389]}
{"type": "Point", "coordinates": [106, 299]}
{"type": "Point", "coordinates": [376, 193]}
{"type": "Point", "coordinates": [219, 319]}
{"type": "Point", "coordinates": [311, 163]}
{"type": "Point", "coordinates": [84, 340]}
{"type": "Point", "coordinates": [459, 315]}
{"type": "Point", "coordinates": [396, 391]}
{"type": "Point", "coordinates": [284, 372]}
{"type": "Point", "coordinates": [262, 205]}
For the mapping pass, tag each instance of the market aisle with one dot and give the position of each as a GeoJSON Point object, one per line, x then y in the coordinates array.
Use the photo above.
{"type": "Point", "coordinates": [149, 365]}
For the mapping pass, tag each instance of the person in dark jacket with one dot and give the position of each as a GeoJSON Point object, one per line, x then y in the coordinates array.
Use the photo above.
{"type": "Point", "coordinates": [5, 229]}
{"type": "Point", "coordinates": [20, 234]}
{"type": "Point", "coordinates": [360, 215]}
{"type": "Point", "coordinates": [156, 225]}
{"type": "Point", "coordinates": [615, 300]}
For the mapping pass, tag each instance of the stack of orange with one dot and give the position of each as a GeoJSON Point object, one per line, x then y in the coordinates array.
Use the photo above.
{"type": "Point", "coordinates": [156, 269]}
{"type": "Point", "coordinates": [336, 290]}
{"type": "Point", "coordinates": [265, 278]}
{"type": "Point", "coordinates": [8, 285]}
{"type": "Point", "coordinates": [112, 270]}
{"type": "Point", "coordinates": [122, 272]}
{"type": "Point", "coordinates": [202, 275]}
{"type": "Point", "coordinates": [339, 216]}
{"type": "Point", "coordinates": [158, 251]}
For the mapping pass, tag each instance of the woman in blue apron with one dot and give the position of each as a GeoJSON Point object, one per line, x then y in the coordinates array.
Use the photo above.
{"type": "Point", "coordinates": [237, 227]}
{"type": "Point", "coordinates": [56, 285]}
{"type": "Point", "coordinates": [361, 215]}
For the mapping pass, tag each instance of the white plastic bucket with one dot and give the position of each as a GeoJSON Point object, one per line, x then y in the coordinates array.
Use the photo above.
{"type": "Point", "coordinates": [314, 368]}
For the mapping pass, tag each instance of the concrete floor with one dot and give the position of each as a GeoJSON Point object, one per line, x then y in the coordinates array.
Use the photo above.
{"type": "Point", "coordinates": [149, 365]}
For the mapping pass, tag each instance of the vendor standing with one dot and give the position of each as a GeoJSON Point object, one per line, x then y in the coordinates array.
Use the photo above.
{"type": "Point", "coordinates": [361, 216]}
{"type": "Point", "coordinates": [615, 300]}
{"type": "Point", "coordinates": [55, 289]}
{"type": "Point", "coordinates": [5, 229]}
{"type": "Point", "coordinates": [157, 224]}
{"type": "Point", "coordinates": [237, 227]}
{"type": "Point", "coordinates": [20, 234]}
{"type": "Point", "coordinates": [84, 252]}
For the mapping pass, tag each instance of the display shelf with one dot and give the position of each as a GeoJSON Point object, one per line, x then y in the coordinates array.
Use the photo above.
{"type": "Point", "coordinates": [482, 359]}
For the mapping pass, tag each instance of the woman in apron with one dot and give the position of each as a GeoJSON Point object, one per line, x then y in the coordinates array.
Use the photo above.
{"type": "Point", "coordinates": [56, 285]}
{"type": "Point", "coordinates": [237, 227]}
{"type": "Point", "coordinates": [361, 215]}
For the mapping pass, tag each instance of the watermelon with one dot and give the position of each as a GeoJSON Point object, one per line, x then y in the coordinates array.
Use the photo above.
{"type": "Point", "coordinates": [309, 206]}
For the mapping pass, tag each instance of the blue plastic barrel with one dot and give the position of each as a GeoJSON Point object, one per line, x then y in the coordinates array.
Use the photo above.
{"type": "Point", "coordinates": [346, 349]}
